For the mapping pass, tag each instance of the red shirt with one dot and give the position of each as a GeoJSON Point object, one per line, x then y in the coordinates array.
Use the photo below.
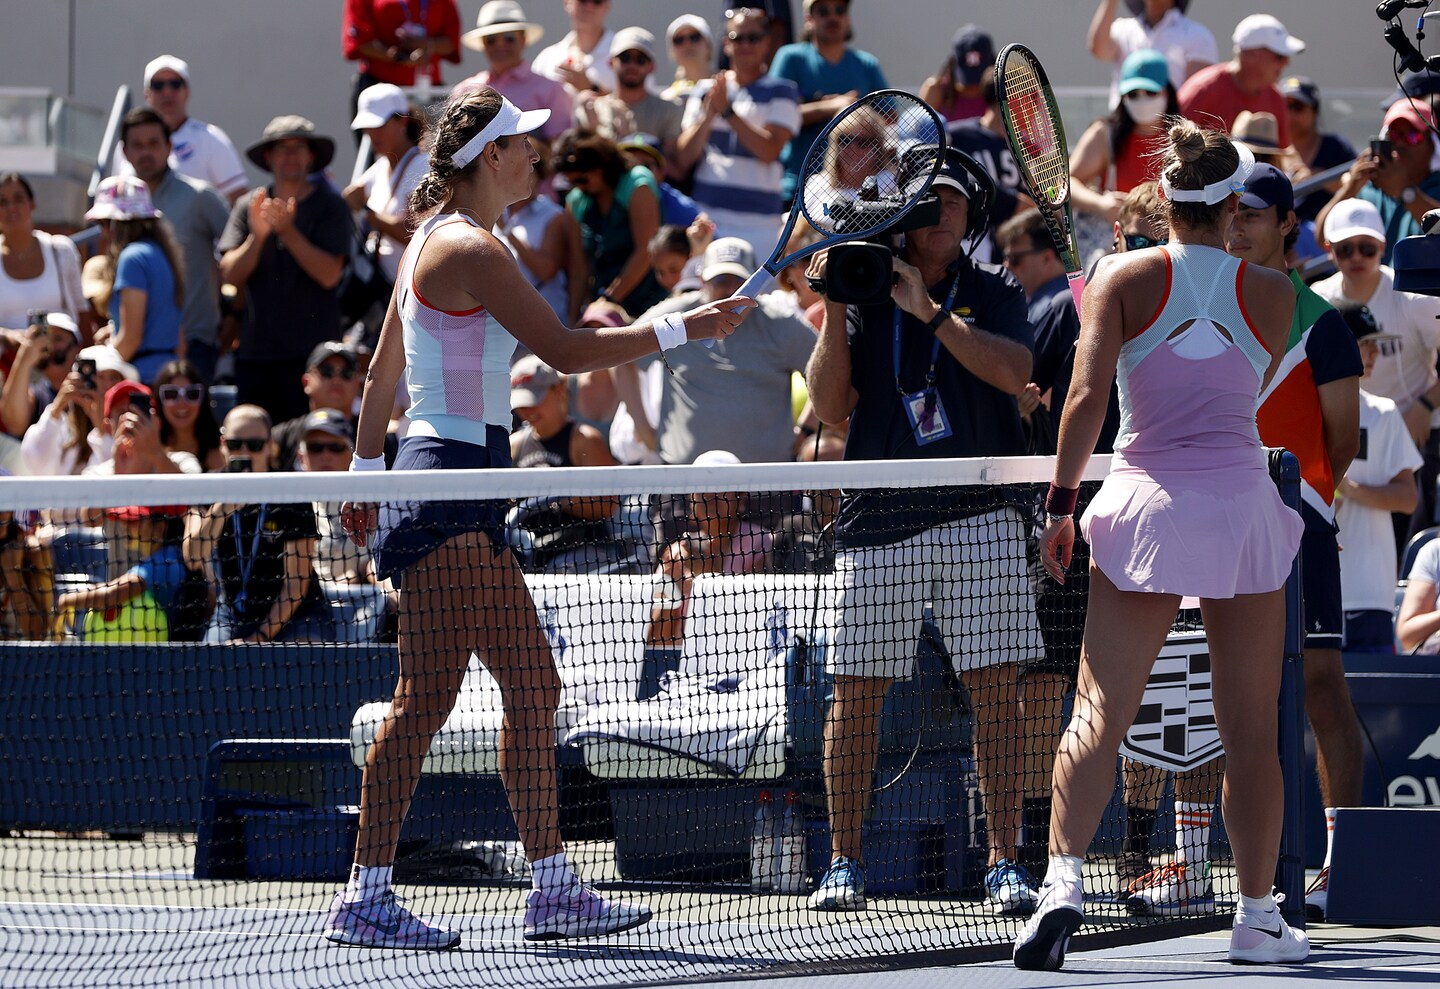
{"type": "Point", "coordinates": [386, 21]}
{"type": "Point", "coordinates": [1212, 93]}
{"type": "Point", "coordinates": [1137, 161]}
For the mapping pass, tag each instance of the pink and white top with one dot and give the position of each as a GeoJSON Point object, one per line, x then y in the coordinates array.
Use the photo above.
{"type": "Point", "coordinates": [458, 362]}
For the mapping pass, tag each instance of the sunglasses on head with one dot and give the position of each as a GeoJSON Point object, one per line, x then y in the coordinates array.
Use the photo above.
{"type": "Point", "coordinates": [746, 39]}
{"type": "Point", "coordinates": [694, 38]}
{"type": "Point", "coordinates": [633, 58]}
{"type": "Point", "coordinates": [330, 372]}
{"type": "Point", "coordinates": [253, 444]}
{"type": "Point", "coordinates": [1138, 242]}
{"type": "Point", "coordinates": [182, 393]}
{"type": "Point", "coordinates": [335, 448]}
{"type": "Point", "coordinates": [1366, 248]}
{"type": "Point", "coordinates": [160, 85]}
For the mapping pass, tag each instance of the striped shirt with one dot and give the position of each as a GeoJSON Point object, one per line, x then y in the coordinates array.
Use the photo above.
{"type": "Point", "coordinates": [729, 175]}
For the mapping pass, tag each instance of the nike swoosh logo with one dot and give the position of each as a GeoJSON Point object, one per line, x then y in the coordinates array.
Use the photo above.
{"type": "Point", "coordinates": [1275, 933]}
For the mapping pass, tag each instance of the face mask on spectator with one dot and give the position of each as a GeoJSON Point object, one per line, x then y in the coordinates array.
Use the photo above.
{"type": "Point", "coordinates": [1145, 108]}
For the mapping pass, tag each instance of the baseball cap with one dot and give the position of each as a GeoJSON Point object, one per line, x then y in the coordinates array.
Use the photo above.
{"type": "Point", "coordinates": [1300, 88]}
{"type": "Point", "coordinates": [1268, 186]}
{"type": "Point", "coordinates": [633, 39]}
{"type": "Point", "coordinates": [1416, 84]}
{"type": "Point", "coordinates": [1265, 31]}
{"type": "Point", "coordinates": [1361, 320]}
{"type": "Point", "coordinates": [122, 197]}
{"type": "Point", "coordinates": [728, 256]}
{"type": "Point", "coordinates": [107, 358]}
{"type": "Point", "coordinates": [716, 458]}
{"type": "Point", "coordinates": [328, 421]}
{"type": "Point", "coordinates": [951, 172]}
{"type": "Point", "coordinates": [1353, 218]}
{"type": "Point", "coordinates": [604, 313]}
{"type": "Point", "coordinates": [176, 65]}
{"type": "Point", "coordinates": [377, 104]}
{"type": "Point", "coordinates": [645, 144]}
{"type": "Point", "coordinates": [691, 21]}
{"type": "Point", "coordinates": [1416, 113]}
{"type": "Point", "coordinates": [119, 395]}
{"type": "Point", "coordinates": [690, 280]}
{"type": "Point", "coordinates": [1144, 69]}
{"type": "Point", "coordinates": [530, 380]}
{"type": "Point", "coordinates": [974, 53]}
{"type": "Point", "coordinates": [328, 349]}
{"type": "Point", "coordinates": [62, 321]}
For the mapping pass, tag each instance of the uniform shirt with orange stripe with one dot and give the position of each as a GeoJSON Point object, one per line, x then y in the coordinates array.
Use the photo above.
{"type": "Point", "coordinates": [1319, 350]}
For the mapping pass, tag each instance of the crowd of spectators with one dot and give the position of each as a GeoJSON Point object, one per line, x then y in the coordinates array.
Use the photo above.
{"type": "Point", "coordinates": [668, 161]}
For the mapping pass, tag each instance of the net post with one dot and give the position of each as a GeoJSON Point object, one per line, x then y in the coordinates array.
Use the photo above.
{"type": "Point", "coordinates": [1290, 868]}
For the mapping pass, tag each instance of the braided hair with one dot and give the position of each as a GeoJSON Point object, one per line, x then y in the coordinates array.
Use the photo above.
{"type": "Point", "coordinates": [461, 119]}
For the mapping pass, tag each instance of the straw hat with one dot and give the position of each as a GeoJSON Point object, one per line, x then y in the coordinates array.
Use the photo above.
{"type": "Point", "coordinates": [1260, 132]}
{"type": "Point", "coordinates": [498, 17]}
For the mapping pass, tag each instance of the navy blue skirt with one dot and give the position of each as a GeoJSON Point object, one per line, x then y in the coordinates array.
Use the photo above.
{"type": "Point", "coordinates": [409, 531]}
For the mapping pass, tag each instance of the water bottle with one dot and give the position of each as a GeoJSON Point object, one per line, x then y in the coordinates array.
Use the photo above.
{"type": "Point", "coordinates": [762, 844]}
{"type": "Point", "coordinates": [790, 860]}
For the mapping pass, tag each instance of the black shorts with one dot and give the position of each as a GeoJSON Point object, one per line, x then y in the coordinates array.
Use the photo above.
{"type": "Point", "coordinates": [1324, 611]}
{"type": "Point", "coordinates": [409, 531]}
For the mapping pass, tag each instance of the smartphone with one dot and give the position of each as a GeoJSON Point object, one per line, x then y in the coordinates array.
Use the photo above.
{"type": "Point", "coordinates": [1381, 148]}
{"type": "Point", "coordinates": [140, 405]}
{"type": "Point", "coordinates": [37, 317]}
{"type": "Point", "coordinates": [238, 465]}
{"type": "Point", "coordinates": [86, 369]}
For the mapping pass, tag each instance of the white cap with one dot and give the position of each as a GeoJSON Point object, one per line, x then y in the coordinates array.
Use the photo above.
{"type": "Point", "coordinates": [176, 65]}
{"type": "Point", "coordinates": [633, 39]}
{"type": "Point", "coordinates": [690, 20]}
{"type": "Point", "coordinates": [716, 458]}
{"type": "Point", "coordinates": [1264, 31]}
{"type": "Point", "coordinates": [62, 321]}
{"type": "Point", "coordinates": [728, 256]}
{"type": "Point", "coordinates": [377, 104]}
{"type": "Point", "coordinates": [1353, 218]}
{"type": "Point", "coordinates": [107, 358]}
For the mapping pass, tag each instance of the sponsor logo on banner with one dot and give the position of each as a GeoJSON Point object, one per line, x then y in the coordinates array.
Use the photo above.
{"type": "Point", "coordinates": [1175, 727]}
{"type": "Point", "coordinates": [1418, 791]}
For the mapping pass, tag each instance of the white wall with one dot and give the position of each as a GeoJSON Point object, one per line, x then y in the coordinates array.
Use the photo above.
{"type": "Point", "coordinates": [253, 59]}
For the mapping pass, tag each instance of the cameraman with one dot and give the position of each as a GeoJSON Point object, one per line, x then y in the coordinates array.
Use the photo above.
{"type": "Point", "coordinates": [932, 371]}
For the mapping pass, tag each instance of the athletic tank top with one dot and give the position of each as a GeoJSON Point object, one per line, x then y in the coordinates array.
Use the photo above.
{"type": "Point", "coordinates": [458, 362]}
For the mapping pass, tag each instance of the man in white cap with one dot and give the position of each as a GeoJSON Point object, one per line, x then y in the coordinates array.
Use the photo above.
{"type": "Point", "coordinates": [633, 60]}
{"type": "Point", "coordinates": [579, 59]}
{"type": "Point", "coordinates": [1215, 95]}
{"type": "Point", "coordinates": [197, 149]}
{"type": "Point", "coordinates": [1160, 25]}
{"type": "Point", "coordinates": [503, 33]}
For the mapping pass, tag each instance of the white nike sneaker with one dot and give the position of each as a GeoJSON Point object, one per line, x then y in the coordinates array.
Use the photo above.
{"type": "Point", "coordinates": [1059, 914]}
{"type": "Point", "coordinates": [1259, 939]}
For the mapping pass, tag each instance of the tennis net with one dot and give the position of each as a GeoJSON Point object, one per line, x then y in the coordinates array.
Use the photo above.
{"type": "Point", "coordinates": [198, 667]}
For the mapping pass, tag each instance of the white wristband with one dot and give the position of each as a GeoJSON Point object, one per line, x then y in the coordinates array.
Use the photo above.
{"type": "Point", "coordinates": [670, 331]}
{"type": "Point", "coordinates": [359, 464]}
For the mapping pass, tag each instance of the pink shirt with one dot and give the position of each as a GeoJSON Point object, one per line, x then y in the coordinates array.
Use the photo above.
{"type": "Point", "coordinates": [528, 91]}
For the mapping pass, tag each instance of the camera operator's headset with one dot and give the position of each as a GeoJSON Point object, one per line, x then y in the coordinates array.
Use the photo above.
{"type": "Point", "coordinates": [978, 186]}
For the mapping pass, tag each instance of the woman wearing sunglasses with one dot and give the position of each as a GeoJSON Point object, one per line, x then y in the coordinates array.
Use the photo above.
{"type": "Point", "coordinates": [186, 424]}
{"type": "Point", "coordinates": [692, 49]}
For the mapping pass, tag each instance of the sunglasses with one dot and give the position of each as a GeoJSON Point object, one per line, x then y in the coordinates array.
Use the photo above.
{"type": "Point", "coordinates": [509, 37]}
{"type": "Point", "coordinates": [190, 394]}
{"type": "Point", "coordinates": [746, 39]}
{"type": "Point", "coordinates": [1407, 135]}
{"type": "Point", "coordinates": [633, 58]}
{"type": "Point", "coordinates": [253, 444]}
{"type": "Point", "coordinates": [329, 372]}
{"type": "Point", "coordinates": [594, 3]}
{"type": "Point", "coordinates": [1366, 249]}
{"type": "Point", "coordinates": [687, 39]}
{"type": "Point", "coordinates": [1013, 257]}
{"type": "Point", "coordinates": [160, 85]}
{"type": "Point", "coordinates": [845, 140]}
{"type": "Point", "coordinates": [335, 448]}
{"type": "Point", "coordinates": [1297, 106]}
{"type": "Point", "coordinates": [1138, 242]}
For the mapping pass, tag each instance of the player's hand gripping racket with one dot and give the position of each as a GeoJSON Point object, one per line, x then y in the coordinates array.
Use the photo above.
{"type": "Point", "coordinates": [854, 182]}
{"type": "Point", "coordinates": [1037, 139]}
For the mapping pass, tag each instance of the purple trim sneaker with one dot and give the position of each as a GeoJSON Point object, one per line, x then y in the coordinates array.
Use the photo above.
{"type": "Point", "coordinates": [579, 912]}
{"type": "Point", "coordinates": [384, 923]}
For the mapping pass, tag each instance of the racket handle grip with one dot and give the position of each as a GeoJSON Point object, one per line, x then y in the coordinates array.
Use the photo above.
{"type": "Point", "coordinates": [1077, 289]}
{"type": "Point", "coordinates": [753, 286]}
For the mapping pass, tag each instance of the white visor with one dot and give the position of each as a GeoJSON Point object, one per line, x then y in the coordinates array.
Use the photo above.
{"type": "Point", "coordinates": [1215, 192]}
{"type": "Point", "coordinates": [509, 121]}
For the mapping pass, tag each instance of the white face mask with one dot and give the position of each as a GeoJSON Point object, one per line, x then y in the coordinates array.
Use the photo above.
{"type": "Point", "coordinates": [1145, 108]}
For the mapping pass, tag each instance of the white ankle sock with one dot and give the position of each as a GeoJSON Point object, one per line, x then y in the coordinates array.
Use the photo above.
{"type": "Point", "coordinates": [552, 874]}
{"type": "Point", "coordinates": [1329, 835]}
{"type": "Point", "coordinates": [1064, 868]}
{"type": "Point", "coordinates": [367, 882]}
{"type": "Point", "coordinates": [1257, 905]}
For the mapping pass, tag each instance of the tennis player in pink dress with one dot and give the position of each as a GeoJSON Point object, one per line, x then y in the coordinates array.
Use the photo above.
{"type": "Point", "coordinates": [1188, 509]}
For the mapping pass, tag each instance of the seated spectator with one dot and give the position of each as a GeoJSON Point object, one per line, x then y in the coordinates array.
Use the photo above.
{"type": "Point", "coordinates": [1418, 625]}
{"type": "Point", "coordinates": [595, 396]}
{"type": "Point", "coordinates": [186, 423]}
{"type": "Point", "coordinates": [692, 49]}
{"type": "Point", "coordinates": [147, 296]}
{"type": "Point", "coordinates": [1379, 481]}
{"type": "Point", "coordinates": [545, 240]}
{"type": "Point", "coordinates": [717, 539]}
{"type": "Point", "coordinates": [27, 581]}
{"type": "Point", "coordinates": [557, 534]}
{"type": "Point", "coordinates": [1315, 151]}
{"type": "Point", "coordinates": [67, 437]}
{"type": "Point", "coordinates": [38, 271]}
{"type": "Point", "coordinates": [956, 90]}
{"type": "Point", "coordinates": [260, 557]}
{"type": "Point", "coordinates": [669, 251]}
{"type": "Point", "coordinates": [1215, 95]}
{"type": "Point", "coordinates": [42, 357]}
{"type": "Point", "coordinates": [331, 381]}
{"type": "Point", "coordinates": [1260, 132]}
{"type": "Point", "coordinates": [676, 208]}
{"type": "Point", "coordinates": [503, 33]}
{"type": "Point", "coordinates": [579, 59]}
{"type": "Point", "coordinates": [1158, 25]}
{"type": "Point", "coordinates": [130, 419]}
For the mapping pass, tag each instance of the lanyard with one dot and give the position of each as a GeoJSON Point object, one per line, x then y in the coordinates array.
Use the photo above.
{"type": "Point", "coordinates": [247, 566]}
{"type": "Point", "coordinates": [934, 349]}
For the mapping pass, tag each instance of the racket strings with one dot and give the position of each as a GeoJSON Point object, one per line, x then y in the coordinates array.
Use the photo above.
{"type": "Point", "coordinates": [1032, 114]}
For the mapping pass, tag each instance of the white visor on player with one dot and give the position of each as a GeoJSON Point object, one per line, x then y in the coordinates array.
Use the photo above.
{"type": "Point", "coordinates": [1215, 192]}
{"type": "Point", "coordinates": [508, 121]}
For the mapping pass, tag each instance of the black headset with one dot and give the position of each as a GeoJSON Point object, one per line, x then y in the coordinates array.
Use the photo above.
{"type": "Point", "coordinates": [978, 186]}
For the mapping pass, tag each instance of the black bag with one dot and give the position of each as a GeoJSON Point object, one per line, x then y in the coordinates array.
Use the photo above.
{"type": "Point", "coordinates": [363, 284]}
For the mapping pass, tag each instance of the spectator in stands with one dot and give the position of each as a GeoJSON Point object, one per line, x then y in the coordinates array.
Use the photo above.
{"type": "Point", "coordinates": [38, 271]}
{"type": "Point", "coordinates": [1214, 96]}
{"type": "Point", "coordinates": [148, 295]}
{"type": "Point", "coordinates": [286, 244]}
{"type": "Point", "coordinates": [27, 580]}
{"type": "Point", "coordinates": [1259, 132]}
{"type": "Point", "coordinates": [503, 33]}
{"type": "Point", "coordinates": [669, 253]}
{"type": "Point", "coordinates": [957, 92]}
{"type": "Point", "coordinates": [1381, 480]}
{"type": "Point", "coordinates": [382, 194]}
{"type": "Point", "coordinates": [260, 557]}
{"type": "Point", "coordinates": [196, 216]}
{"type": "Point", "coordinates": [67, 437]}
{"type": "Point", "coordinates": [579, 59]}
{"type": "Point", "coordinates": [1157, 25]}
{"type": "Point", "coordinates": [983, 138]}
{"type": "Point", "coordinates": [131, 420]}
{"type": "Point", "coordinates": [1315, 150]}
{"type": "Point", "coordinates": [331, 381]}
{"type": "Point", "coordinates": [736, 125]}
{"type": "Point", "coordinates": [633, 60]}
{"type": "Point", "coordinates": [692, 49]}
{"type": "Point", "coordinates": [548, 246]}
{"type": "Point", "coordinates": [718, 538]}
{"type": "Point", "coordinates": [828, 74]}
{"type": "Point", "coordinates": [675, 206]}
{"type": "Point", "coordinates": [1404, 371]}
{"type": "Point", "coordinates": [737, 392]}
{"type": "Point", "coordinates": [395, 40]}
{"type": "Point", "coordinates": [618, 210]}
{"type": "Point", "coordinates": [1417, 627]}
{"type": "Point", "coordinates": [148, 602]}
{"type": "Point", "coordinates": [959, 378]}
{"type": "Point", "coordinates": [186, 424]}
{"type": "Point", "coordinates": [1402, 187]}
{"type": "Point", "coordinates": [44, 356]}
{"type": "Point", "coordinates": [197, 149]}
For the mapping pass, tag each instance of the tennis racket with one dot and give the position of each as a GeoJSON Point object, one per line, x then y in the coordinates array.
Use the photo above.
{"type": "Point", "coordinates": [860, 175]}
{"type": "Point", "coordinates": [1037, 139]}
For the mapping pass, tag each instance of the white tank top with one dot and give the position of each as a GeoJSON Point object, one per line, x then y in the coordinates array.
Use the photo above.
{"type": "Point", "coordinates": [17, 298]}
{"type": "Point", "coordinates": [529, 225]}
